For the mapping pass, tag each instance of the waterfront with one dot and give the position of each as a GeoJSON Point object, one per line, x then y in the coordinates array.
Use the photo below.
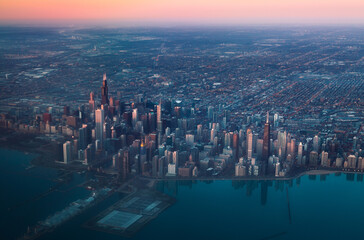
{"type": "Point", "coordinates": [321, 206]}
{"type": "Point", "coordinates": [30, 194]}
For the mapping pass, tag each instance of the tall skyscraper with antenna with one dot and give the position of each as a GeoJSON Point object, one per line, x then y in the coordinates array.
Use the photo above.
{"type": "Point", "coordinates": [266, 141]}
{"type": "Point", "coordinates": [91, 102]}
{"type": "Point", "coordinates": [104, 91]}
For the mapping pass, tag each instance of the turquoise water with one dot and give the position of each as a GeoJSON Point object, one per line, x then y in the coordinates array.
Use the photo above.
{"type": "Point", "coordinates": [320, 207]}
{"type": "Point", "coordinates": [328, 207]}
{"type": "Point", "coordinates": [20, 187]}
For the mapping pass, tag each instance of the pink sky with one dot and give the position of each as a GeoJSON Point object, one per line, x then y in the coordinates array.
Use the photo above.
{"type": "Point", "coordinates": [228, 11]}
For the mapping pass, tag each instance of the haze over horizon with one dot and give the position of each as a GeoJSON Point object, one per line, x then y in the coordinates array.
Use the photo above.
{"type": "Point", "coordinates": [191, 12]}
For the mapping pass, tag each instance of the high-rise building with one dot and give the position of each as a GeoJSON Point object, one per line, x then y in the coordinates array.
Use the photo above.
{"type": "Point", "coordinates": [99, 119]}
{"type": "Point", "coordinates": [199, 132]}
{"type": "Point", "coordinates": [352, 161]}
{"type": "Point", "coordinates": [339, 162]}
{"type": "Point", "coordinates": [276, 120]}
{"type": "Point", "coordinates": [259, 148]}
{"type": "Point", "coordinates": [159, 111]}
{"type": "Point", "coordinates": [82, 136]}
{"type": "Point", "coordinates": [266, 141]}
{"type": "Point", "coordinates": [89, 153]}
{"type": "Point", "coordinates": [155, 161]}
{"type": "Point", "coordinates": [91, 102]}
{"type": "Point", "coordinates": [161, 167]}
{"type": "Point", "coordinates": [249, 143]}
{"type": "Point", "coordinates": [316, 143]}
{"type": "Point", "coordinates": [159, 117]}
{"type": "Point", "coordinates": [240, 169]}
{"type": "Point", "coordinates": [213, 135]}
{"type": "Point", "coordinates": [168, 131]}
{"type": "Point", "coordinates": [67, 152]}
{"type": "Point", "coordinates": [361, 163]}
{"type": "Point", "coordinates": [313, 160]}
{"type": "Point", "coordinates": [190, 139]}
{"type": "Point", "coordinates": [135, 117]}
{"type": "Point", "coordinates": [282, 143]}
{"type": "Point", "coordinates": [299, 154]}
{"type": "Point", "coordinates": [228, 140]}
{"type": "Point", "coordinates": [210, 112]}
{"type": "Point", "coordinates": [171, 169]}
{"type": "Point", "coordinates": [151, 122]}
{"type": "Point", "coordinates": [175, 159]}
{"type": "Point", "coordinates": [293, 148]}
{"type": "Point", "coordinates": [355, 141]}
{"type": "Point", "coordinates": [277, 169]}
{"type": "Point", "coordinates": [236, 145]}
{"type": "Point", "coordinates": [325, 159]}
{"type": "Point", "coordinates": [143, 153]}
{"type": "Point", "coordinates": [104, 91]}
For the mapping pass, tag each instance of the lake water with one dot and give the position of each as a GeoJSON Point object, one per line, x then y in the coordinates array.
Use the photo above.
{"type": "Point", "coordinates": [20, 187]}
{"type": "Point", "coordinates": [311, 207]}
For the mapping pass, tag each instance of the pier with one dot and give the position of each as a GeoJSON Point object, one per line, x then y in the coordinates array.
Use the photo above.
{"type": "Point", "coordinates": [130, 214]}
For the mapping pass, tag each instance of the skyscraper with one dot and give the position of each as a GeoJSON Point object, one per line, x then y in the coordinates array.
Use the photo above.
{"type": "Point", "coordinates": [325, 159]}
{"type": "Point", "coordinates": [91, 102]}
{"type": "Point", "coordinates": [266, 141]}
{"type": "Point", "coordinates": [276, 120]}
{"type": "Point", "coordinates": [190, 139]}
{"type": "Point", "coordinates": [135, 117]}
{"type": "Point", "coordinates": [159, 117]}
{"type": "Point", "coordinates": [67, 152]}
{"type": "Point", "coordinates": [293, 148]}
{"type": "Point", "coordinates": [159, 111]}
{"type": "Point", "coordinates": [210, 112]}
{"type": "Point", "coordinates": [282, 143]}
{"type": "Point", "coordinates": [104, 91]}
{"type": "Point", "coordinates": [213, 134]}
{"type": "Point", "coordinates": [99, 119]}
{"type": "Point", "coordinates": [316, 143]}
{"type": "Point", "coordinates": [313, 160]}
{"type": "Point", "coordinates": [82, 136]}
{"type": "Point", "coordinates": [143, 153]}
{"type": "Point", "coordinates": [175, 159]}
{"type": "Point", "coordinates": [351, 161]}
{"type": "Point", "coordinates": [249, 137]}
{"type": "Point", "coordinates": [299, 156]}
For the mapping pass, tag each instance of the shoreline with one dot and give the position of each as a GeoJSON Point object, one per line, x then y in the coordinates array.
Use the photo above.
{"type": "Point", "coordinates": [311, 172]}
{"type": "Point", "coordinates": [40, 157]}
{"type": "Point", "coordinates": [43, 158]}
{"type": "Point", "coordinates": [40, 160]}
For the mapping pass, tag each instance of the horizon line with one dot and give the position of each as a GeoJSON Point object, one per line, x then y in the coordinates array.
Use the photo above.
{"type": "Point", "coordinates": [130, 23]}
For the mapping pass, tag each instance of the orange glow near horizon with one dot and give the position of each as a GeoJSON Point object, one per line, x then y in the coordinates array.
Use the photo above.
{"type": "Point", "coordinates": [181, 10]}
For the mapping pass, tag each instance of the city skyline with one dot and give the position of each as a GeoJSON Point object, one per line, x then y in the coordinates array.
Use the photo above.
{"type": "Point", "coordinates": [112, 130]}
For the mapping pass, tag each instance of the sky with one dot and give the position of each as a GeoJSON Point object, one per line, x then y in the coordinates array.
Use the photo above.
{"type": "Point", "coordinates": [188, 11]}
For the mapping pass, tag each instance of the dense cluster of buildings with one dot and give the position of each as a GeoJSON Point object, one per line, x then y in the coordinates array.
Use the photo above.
{"type": "Point", "coordinates": [167, 139]}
